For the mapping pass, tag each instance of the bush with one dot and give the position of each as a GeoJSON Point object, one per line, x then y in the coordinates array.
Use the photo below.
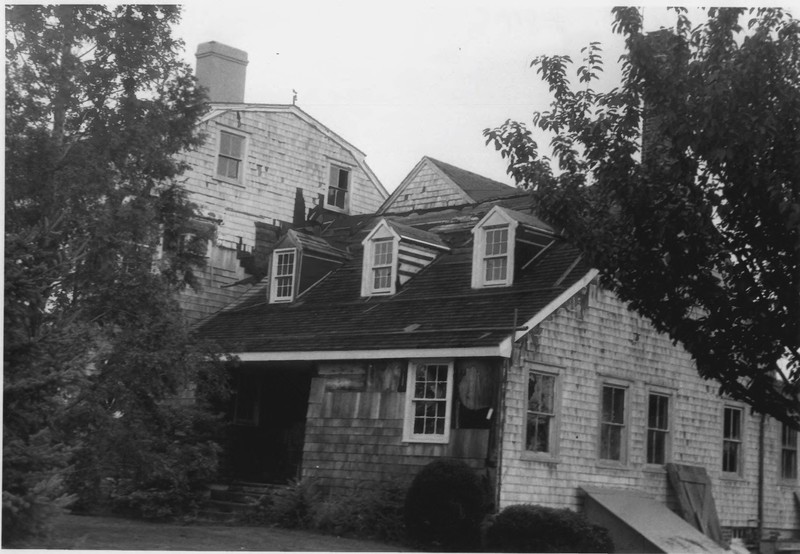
{"type": "Point", "coordinates": [369, 512]}
{"type": "Point", "coordinates": [445, 505]}
{"type": "Point", "coordinates": [292, 508]}
{"type": "Point", "coordinates": [530, 528]}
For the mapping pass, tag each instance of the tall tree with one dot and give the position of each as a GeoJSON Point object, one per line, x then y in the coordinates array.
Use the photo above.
{"type": "Point", "coordinates": [97, 105]}
{"type": "Point", "coordinates": [683, 188]}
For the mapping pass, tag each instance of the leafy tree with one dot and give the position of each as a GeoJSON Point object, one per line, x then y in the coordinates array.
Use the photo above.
{"type": "Point", "coordinates": [97, 104]}
{"type": "Point", "coordinates": [683, 188]}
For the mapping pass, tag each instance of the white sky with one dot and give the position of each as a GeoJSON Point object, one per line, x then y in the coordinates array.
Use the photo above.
{"type": "Point", "coordinates": [401, 80]}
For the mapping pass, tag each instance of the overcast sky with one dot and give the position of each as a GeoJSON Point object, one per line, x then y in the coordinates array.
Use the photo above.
{"type": "Point", "coordinates": [402, 80]}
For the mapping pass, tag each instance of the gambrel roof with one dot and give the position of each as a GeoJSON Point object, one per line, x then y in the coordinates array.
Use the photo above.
{"type": "Point", "coordinates": [435, 313]}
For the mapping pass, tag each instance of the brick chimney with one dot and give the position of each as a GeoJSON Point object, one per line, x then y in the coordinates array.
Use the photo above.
{"type": "Point", "coordinates": [221, 69]}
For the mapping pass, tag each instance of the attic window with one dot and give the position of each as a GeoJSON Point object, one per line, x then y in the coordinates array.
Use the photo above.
{"type": "Point", "coordinates": [379, 273]}
{"type": "Point", "coordinates": [231, 155]}
{"type": "Point", "coordinates": [338, 188]}
{"type": "Point", "coordinates": [283, 275]}
{"type": "Point", "coordinates": [493, 250]}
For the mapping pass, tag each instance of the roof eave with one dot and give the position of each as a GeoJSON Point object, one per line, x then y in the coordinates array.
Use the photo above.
{"type": "Point", "coordinates": [502, 350]}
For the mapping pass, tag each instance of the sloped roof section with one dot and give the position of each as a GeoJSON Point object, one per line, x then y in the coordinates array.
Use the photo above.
{"type": "Point", "coordinates": [476, 186]}
{"type": "Point", "coordinates": [435, 310]}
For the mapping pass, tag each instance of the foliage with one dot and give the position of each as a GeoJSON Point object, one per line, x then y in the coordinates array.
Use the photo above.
{"type": "Point", "coordinates": [445, 505]}
{"type": "Point", "coordinates": [531, 528]}
{"type": "Point", "coordinates": [292, 508]}
{"type": "Point", "coordinates": [97, 105]}
{"type": "Point", "coordinates": [695, 222]}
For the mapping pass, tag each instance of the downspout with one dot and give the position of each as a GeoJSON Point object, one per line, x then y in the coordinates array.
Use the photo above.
{"type": "Point", "coordinates": [760, 515]}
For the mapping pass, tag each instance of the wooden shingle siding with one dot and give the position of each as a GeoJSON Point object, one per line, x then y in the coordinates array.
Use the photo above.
{"type": "Point", "coordinates": [594, 338]}
{"type": "Point", "coordinates": [284, 154]}
{"type": "Point", "coordinates": [429, 189]}
{"type": "Point", "coordinates": [354, 437]}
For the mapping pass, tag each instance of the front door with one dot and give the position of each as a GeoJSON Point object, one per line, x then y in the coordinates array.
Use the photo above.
{"type": "Point", "coordinates": [267, 426]}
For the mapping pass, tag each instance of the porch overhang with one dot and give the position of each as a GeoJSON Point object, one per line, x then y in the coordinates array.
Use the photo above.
{"type": "Point", "coordinates": [502, 350]}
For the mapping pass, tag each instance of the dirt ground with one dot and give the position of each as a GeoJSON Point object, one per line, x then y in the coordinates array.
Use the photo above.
{"type": "Point", "coordinates": [100, 533]}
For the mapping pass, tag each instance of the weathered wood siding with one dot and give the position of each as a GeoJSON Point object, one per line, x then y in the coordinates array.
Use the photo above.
{"type": "Point", "coordinates": [592, 338]}
{"type": "Point", "coordinates": [354, 429]}
{"type": "Point", "coordinates": [283, 153]}
{"type": "Point", "coordinates": [427, 188]}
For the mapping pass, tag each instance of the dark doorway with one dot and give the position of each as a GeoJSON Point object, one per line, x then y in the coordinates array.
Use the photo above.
{"type": "Point", "coordinates": [267, 422]}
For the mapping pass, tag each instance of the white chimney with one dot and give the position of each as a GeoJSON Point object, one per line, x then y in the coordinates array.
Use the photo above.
{"type": "Point", "coordinates": [222, 70]}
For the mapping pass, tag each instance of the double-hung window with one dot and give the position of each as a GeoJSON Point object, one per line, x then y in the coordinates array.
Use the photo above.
{"type": "Point", "coordinates": [382, 264]}
{"type": "Point", "coordinates": [495, 258]}
{"type": "Point", "coordinates": [613, 424]}
{"type": "Point", "coordinates": [657, 428]}
{"type": "Point", "coordinates": [540, 428]}
{"type": "Point", "coordinates": [429, 398]}
{"type": "Point", "coordinates": [732, 439]}
{"type": "Point", "coordinates": [231, 156]}
{"type": "Point", "coordinates": [283, 275]}
{"type": "Point", "coordinates": [338, 188]}
{"type": "Point", "coordinates": [788, 453]}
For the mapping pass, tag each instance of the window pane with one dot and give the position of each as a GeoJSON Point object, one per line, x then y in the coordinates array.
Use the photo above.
{"type": "Point", "coordinates": [383, 252]}
{"type": "Point", "coordinates": [496, 269]}
{"type": "Point", "coordinates": [611, 442]}
{"type": "Point", "coordinates": [343, 179]}
{"type": "Point", "coordinates": [496, 242]}
{"type": "Point", "coordinates": [730, 456]}
{"type": "Point", "coordinates": [538, 433]}
{"type": "Point", "coordinates": [613, 405]}
{"type": "Point", "coordinates": [657, 414]}
{"type": "Point", "coordinates": [383, 278]}
{"type": "Point", "coordinates": [656, 447]}
{"type": "Point", "coordinates": [732, 426]}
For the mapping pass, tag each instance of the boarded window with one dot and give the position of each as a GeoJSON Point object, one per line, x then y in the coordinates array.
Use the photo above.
{"type": "Point", "coordinates": [657, 428]}
{"type": "Point", "coordinates": [732, 440]}
{"type": "Point", "coordinates": [788, 452]}
{"type": "Point", "coordinates": [541, 412]}
{"type": "Point", "coordinates": [231, 149]}
{"type": "Point", "coordinates": [612, 423]}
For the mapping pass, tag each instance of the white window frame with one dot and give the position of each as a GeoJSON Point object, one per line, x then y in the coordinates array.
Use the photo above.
{"type": "Point", "coordinates": [624, 425]}
{"type": "Point", "coordinates": [382, 233]}
{"type": "Point", "coordinates": [553, 421]}
{"type": "Point", "coordinates": [409, 434]}
{"type": "Point", "coordinates": [783, 431]}
{"type": "Point", "coordinates": [338, 167]}
{"type": "Point", "coordinates": [274, 298]}
{"type": "Point", "coordinates": [240, 177]}
{"type": "Point", "coordinates": [665, 431]}
{"type": "Point", "coordinates": [495, 220]}
{"type": "Point", "coordinates": [737, 440]}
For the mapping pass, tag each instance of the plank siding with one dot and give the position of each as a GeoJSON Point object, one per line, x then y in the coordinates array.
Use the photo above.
{"type": "Point", "coordinates": [594, 338]}
{"type": "Point", "coordinates": [283, 154]}
{"type": "Point", "coordinates": [355, 438]}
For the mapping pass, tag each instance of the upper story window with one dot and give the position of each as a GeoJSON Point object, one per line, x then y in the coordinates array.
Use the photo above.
{"type": "Point", "coordinates": [541, 424]}
{"type": "Point", "coordinates": [613, 423]}
{"type": "Point", "coordinates": [379, 273]}
{"type": "Point", "coordinates": [339, 188]}
{"type": "Point", "coordinates": [732, 440]}
{"type": "Point", "coordinates": [493, 250]}
{"type": "Point", "coordinates": [429, 399]}
{"type": "Point", "coordinates": [231, 156]}
{"type": "Point", "coordinates": [657, 428]}
{"type": "Point", "coordinates": [284, 265]}
{"type": "Point", "coordinates": [788, 453]}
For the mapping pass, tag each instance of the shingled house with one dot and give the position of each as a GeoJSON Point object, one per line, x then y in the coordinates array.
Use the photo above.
{"type": "Point", "coordinates": [380, 343]}
{"type": "Point", "coordinates": [261, 169]}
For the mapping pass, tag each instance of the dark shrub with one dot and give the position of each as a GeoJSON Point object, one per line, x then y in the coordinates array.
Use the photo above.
{"type": "Point", "coordinates": [530, 528]}
{"type": "Point", "coordinates": [444, 506]}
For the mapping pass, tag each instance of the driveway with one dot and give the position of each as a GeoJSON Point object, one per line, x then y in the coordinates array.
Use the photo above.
{"type": "Point", "coordinates": [73, 532]}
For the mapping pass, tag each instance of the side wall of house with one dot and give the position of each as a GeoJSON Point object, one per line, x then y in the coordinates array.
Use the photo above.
{"type": "Point", "coordinates": [594, 339]}
{"type": "Point", "coordinates": [427, 189]}
{"type": "Point", "coordinates": [354, 429]}
{"type": "Point", "coordinates": [283, 154]}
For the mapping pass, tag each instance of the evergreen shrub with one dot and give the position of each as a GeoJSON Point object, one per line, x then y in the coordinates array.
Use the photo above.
{"type": "Point", "coordinates": [531, 528]}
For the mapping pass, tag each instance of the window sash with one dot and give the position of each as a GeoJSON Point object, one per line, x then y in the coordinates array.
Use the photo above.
{"type": "Point", "coordinates": [657, 428]}
{"type": "Point", "coordinates": [788, 453]}
{"type": "Point", "coordinates": [338, 186]}
{"type": "Point", "coordinates": [430, 391]}
{"type": "Point", "coordinates": [230, 155]}
{"type": "Point", "coordinates": [283, 280]}
{"type": "Point", "coordinates": [732, 440]}
{"type": "Point", "coordinates": [541, 412]}
{"type": "Point", "coordinates": [612, 423]}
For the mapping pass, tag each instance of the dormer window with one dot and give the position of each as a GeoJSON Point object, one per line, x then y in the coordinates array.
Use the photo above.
{"type": "Point", "coordinates": [379, 273]}
{"type": "Point", "coordinates": [493, 250]}
{"type": "Point", "coordinates": [283, 275]}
